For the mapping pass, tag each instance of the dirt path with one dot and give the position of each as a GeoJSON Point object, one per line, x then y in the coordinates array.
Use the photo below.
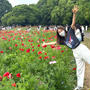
{"type": "Point", "coordinates": [87, 72]}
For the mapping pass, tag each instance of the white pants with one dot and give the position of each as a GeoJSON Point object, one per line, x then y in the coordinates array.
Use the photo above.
{"type": "Point", "coordinates": [82, 55]}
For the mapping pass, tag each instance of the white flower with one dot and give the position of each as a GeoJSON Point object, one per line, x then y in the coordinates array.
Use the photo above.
{"type": "Point", "coordinates": [52, 62]}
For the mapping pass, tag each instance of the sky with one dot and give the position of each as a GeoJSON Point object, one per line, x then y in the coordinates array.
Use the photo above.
{"type": "Point", "coordinates": [18, 2]}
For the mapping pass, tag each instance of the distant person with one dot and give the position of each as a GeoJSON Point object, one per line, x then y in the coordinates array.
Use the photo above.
{"type": "Point", "coordinates": [39, 27]}
{"type": "Point", "coordinates": [28, 29]}
{"type": "Point", "coordinates": [86, 28]}
{"type": "Point", "coordinates": [55, 28]}
{"type": "Point", "coordinates": [79, 32]}
{"type": "Point", "coordinates": [67, 27]}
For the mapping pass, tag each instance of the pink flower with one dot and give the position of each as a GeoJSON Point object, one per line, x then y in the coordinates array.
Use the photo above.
{"type": "Point", "coordinates": [38, 41]}
{"type": "Point", "coordinates": [58, 48]}
{"type": "Point", "coordinates": [51, 39]}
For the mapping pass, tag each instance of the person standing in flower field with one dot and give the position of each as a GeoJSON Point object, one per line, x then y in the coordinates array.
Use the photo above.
{"type": "Point", "coordinates": [73, 39]}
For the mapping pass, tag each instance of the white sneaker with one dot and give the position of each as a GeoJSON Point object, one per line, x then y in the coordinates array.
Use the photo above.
{"type": "Point", "coordinates": [78, 88]}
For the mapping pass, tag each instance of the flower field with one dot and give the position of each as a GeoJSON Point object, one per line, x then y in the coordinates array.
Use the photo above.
{"type": "Point", "coordinates": [26, 65]}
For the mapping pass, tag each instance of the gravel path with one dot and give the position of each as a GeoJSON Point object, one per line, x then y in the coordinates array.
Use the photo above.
{"type": "Point", "coordinates": [87, 35]}
{"type": "Point", "coordinates": [87, 71]}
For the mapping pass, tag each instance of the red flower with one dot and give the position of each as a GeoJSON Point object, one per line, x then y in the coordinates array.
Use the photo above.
{"type": "Point", "coordinates": [53, 57]}
{"type": "Point", "coordinates": [28, 40]}
{"type": "Point", "coordinates": [21, 49]}
{"type": "Point", "coordinates": [40, 57]}
{"type": "Point", "coordinates": [1, 52]}
{"type": "Point", "coordinates": [6, 74]}
{"type": "Point", "coordinates": [25, 45]}
{"type": "Point", "coordinates": [32, 46]}
{"type": "Point", "coordinates": [74, 68]}
{"type": "Point", "coordinates": [1, 78]}
{"type": "Point", "coordinates": [22, 44]}
{"type": "Point", "coordinates": [9, 40]}
{"type": "Point", "coordinates": [18, 75]}
{"type": "Point", "coordinates": [14, 38]}
{"type": "Point", "coordinates": [55, 37]}
{"type": "Point", "coordinates": [45, 53]}
{"type": "Point", "coordinates": [16, 45]}
{"type": "Point", "coordinates": [46, 57]}
{"type": "Point", "coordinates": [39, 45]}
{"type": "Point", "coordinates": [44, 46]}
{"type": "Point", "coordinates": [28, 50]}
{"type": "Point", "coordinates": [52, 46]}
{"type": "Point", "coordinates": [43, 39]}
{"type": "Point", "coordinates": [33, 50]}
{"type": "Point", "coordinates": [14, 84]}
{"type": "Point", "coordinates": [62, 51]}
{"type": "Point", "coordinates": [31, 40]}
{"type": "Point", "coordinates": [39, 52]}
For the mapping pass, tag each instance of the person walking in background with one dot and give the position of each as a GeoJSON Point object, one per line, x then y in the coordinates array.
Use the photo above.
{"type": "Point", "coordinates": [86, 28]}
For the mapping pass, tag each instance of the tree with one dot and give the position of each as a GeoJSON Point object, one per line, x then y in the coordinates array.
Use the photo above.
{"type": "Point", "coordinates": [21, 15]}
{"type": "Point", "coordinates": [5, 7]}
{"type": "Point", "coordinates": [47, 12]}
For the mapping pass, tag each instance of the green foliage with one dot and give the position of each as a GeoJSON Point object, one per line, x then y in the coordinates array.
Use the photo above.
{"type": "Point", "coordinates": [21, 15]}
{"type": "Point", "coordinates": [48, 12]}
{"type": "Point", "coordinates": [36, 73]}
{"type": "Point", "coordinates": [5, 7]}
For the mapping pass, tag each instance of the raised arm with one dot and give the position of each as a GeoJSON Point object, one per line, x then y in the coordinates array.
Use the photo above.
{"type": "Point", "coordinates": [50, 43]}
{"type": "Point", "coordinates": [74, 10]}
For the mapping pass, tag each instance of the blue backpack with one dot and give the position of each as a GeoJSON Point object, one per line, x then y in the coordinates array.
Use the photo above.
{"type": "Point", "coordinates": [71, 39]}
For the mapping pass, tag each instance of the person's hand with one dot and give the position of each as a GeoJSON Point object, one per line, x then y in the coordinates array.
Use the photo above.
{"type": "Point", "coordinates": [43, 44]}
{"type": "Point", "coordinates": [75, 9]}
